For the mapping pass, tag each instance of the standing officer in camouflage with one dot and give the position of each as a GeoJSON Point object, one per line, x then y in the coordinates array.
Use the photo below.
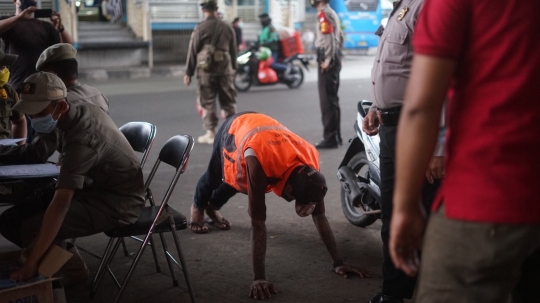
{"type": "Point", "coordinates": [329, 43]}
{"type": "Point", "coordinates": [8, 98]}
{"type": "Point", "coordinates": [212, 55]}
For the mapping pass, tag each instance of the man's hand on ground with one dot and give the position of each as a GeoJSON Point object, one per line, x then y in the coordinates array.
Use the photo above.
{"type": "Point", "coordinates": [24, 274]}
{"type": "Point", "coordinates": [436, 169]}
{"type": "Point", "coordinates": [406, 234]}
{"type": "Point", "coordinates": [262, 289]}
{"type": "Point", "coordinates": [345, 269]}
{"type": "Point", "coordinates": [371, 124]}
{"type": "Point", "coordinates": [187, 80]}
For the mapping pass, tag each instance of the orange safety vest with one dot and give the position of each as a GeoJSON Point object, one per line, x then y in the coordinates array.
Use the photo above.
{"type": "Point", "coordinates": [278, 150]}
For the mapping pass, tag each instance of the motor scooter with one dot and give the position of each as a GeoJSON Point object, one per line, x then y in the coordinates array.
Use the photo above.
{"type": "Point", "coordinates": [360, 176]}
{"type": "Point", "coordinates": [252, 71]}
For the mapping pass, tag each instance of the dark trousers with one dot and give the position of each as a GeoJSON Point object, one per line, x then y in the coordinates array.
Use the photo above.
{"type": "Point", "coordinates": [395, 282]}
{"type": "Point", "coordinates": [328, 82]}
{"type": "Point", "coordinates": [278, 67]}
{"type": "Point", "coordinates": [211, 189]}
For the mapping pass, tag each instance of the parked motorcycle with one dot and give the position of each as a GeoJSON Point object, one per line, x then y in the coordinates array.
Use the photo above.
{"type": "Point", "coordinates": [359, 174]}
{"type": "Point", "coordinates": [252, 71]}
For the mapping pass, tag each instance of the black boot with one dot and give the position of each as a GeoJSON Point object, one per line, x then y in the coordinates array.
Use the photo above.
{"type": "Point", "coordinates": [327, 144]}
{"type": "Point", "coordinates": [380, 298]}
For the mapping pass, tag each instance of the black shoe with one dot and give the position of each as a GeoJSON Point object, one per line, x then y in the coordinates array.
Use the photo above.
{"type": "Point", "coordinates": [380, 298]}
{"type": "Point", "coordinates": [327, 144]}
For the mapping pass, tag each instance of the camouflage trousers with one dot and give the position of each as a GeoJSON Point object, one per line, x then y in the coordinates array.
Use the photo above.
{"type": "Point", "coordinates": [216, 87]}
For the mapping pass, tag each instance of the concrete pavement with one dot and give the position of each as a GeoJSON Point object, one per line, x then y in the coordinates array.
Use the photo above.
{"type": "Point", "coordinates": [219, 262]}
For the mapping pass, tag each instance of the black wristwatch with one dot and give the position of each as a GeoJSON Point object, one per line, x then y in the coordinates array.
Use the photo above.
{"type": "Point", "coordinates": [337, 263]}
{"type": "Point", "coordinates": [60, 30]}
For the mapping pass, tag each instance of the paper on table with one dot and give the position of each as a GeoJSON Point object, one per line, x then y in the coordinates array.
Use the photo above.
{"type": "Point", "coordinates": [29, 171]}
{"type": "Point", "coordinates": [7, 142]}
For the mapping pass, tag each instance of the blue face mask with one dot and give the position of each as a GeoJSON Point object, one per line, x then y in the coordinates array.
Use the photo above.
{"type": "Point", "coordinates": [45, 124]}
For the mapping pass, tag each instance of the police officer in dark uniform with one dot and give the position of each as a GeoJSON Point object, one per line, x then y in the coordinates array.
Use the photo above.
{"type": "Point", "coordinates": [389, 78]}
{"type": "Point", "coordinates": [329, 43]}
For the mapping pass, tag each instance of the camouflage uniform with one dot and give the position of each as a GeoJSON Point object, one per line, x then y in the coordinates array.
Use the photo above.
{"type": "Point", "coordinates": [8, 98]}
{"type": "Point", "coordinates": [218, 81]}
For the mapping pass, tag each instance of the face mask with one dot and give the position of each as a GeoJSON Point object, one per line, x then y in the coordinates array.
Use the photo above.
{"type": "Point", "coordinates": [45, 124]}
{"type": "Point", "coordinates": [27, 3]}
{"type": "Point", "coordinates": [241, 24]}
{"type": "Point", "coordinates": [4, 77]}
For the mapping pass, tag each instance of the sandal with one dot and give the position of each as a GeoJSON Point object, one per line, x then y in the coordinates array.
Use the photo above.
{"type": "Point", "coordinates": [224, 224]}
{"type": "Point", "coordinates": [203, 229]}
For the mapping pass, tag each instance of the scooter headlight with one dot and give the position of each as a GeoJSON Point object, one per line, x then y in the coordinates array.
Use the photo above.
{"type": "Point", "coordinates": [244, 58]}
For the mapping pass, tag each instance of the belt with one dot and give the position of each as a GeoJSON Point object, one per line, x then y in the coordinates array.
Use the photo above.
{"type": "Point", "coordinates": [389, 116]}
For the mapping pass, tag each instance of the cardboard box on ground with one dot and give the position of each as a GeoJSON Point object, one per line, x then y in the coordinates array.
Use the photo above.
{"type": "Point", "coordinates": [36, 290]}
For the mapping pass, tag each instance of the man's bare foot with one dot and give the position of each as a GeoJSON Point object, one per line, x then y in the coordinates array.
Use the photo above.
{"type": "Point", "coordinates": [197, 221]}
{"type": "Point", "coordinates": [217, 219]}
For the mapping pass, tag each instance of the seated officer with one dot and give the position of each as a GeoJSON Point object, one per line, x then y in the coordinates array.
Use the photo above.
{"type": "Point", "coordinates": [8, 98]}
{"type": "Point", "coordinates": [255, 154]}
{"type": "Point", "coordinates": [100, 185]}
{"type": "Point", "coordinates": [58, 59]}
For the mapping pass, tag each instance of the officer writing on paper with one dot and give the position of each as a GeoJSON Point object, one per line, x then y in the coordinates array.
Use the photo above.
{"type": "Point", "coordinates": [212, 56]}
{"type": "Point", "coordinates": [254, 154]}
{"type": "Point", "coordinates": [97, 158]}
{"type": "Point", "coordinates": [60, 60]}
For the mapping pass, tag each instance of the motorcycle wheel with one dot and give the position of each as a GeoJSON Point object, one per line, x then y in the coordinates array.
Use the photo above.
{"type": "Point", "coordinates": [297, 71]}
{"type": "Point", "coordinates": [355, 215]}
{"type": "Point", "coordinates": [243, 81]}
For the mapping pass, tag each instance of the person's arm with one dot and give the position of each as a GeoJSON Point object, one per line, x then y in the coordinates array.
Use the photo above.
{"type": "Point", "coordinates": [328, 31]}
{"type": "Point", "coordinates": [327, 236]}
{"type": "Point", "coordinates": [191, 61]}
{"type": "Point", "coordinates": [38, 151]}
{"type": "Point", "coordinates": [18, 128]}
{"type": "Point", "coordinates": [8, 23]}
{"type": "Point", "coordinates": [233, 49]}
{"type": "Point", "coordinates": [56, 20]}
{"type": "Point", "coordinates": [52, 221]}
{"type": "Point", "coordinates": [257, 182]}
{"type": "Point", "coordinates": [424, 97]}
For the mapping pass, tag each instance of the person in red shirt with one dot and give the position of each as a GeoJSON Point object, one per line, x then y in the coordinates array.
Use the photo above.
{"type": "Point", "coordinates": [483, 240]}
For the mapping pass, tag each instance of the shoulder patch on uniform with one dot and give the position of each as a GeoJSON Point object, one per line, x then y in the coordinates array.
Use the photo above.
{"type": "Point", "coordinates": [326, 26]}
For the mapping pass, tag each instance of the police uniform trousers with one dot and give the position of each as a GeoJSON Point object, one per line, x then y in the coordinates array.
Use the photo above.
{"type": "Point", "coordinates": [210, 88]}
{"type": "Point", "coordinates": [211, 190]}
{"type": "Point", "coordinates": [86, 216]}
{"type": "Point", "coordinates": [328, 82]}
{"type": "Point", "coordinates": [395, 282]}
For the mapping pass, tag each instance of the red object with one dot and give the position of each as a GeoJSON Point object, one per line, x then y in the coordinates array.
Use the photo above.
{"type": "Point", "coordinates": [493, 143]}
{"type": "Point", "coordinates": [266, 74]}
{"type": "Point", "coordinates": [326, 26]}
{"type": "Point", "coordinates": [292, 45]}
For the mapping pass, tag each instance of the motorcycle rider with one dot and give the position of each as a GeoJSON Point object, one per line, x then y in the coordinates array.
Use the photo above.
{"type": "Point", "coordinates": [390, 73]}
{"type": "Point", "coordinates": [269, 37]}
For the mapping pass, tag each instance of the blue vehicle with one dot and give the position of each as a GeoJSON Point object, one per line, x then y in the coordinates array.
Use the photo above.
{"type": "Point", "coordinates": [360, 19]}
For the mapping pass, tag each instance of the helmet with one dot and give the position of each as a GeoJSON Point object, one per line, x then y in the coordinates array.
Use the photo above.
{"type": "Point", "coordinates": [264, 53]}
{"type": "Point", "coordinates": [314, 3]}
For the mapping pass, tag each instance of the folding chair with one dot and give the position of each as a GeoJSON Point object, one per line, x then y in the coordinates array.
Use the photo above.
{"type": "Point", "coordinates": [154, 219]}
{"type": "Point", "coordinates": [141, 136]}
